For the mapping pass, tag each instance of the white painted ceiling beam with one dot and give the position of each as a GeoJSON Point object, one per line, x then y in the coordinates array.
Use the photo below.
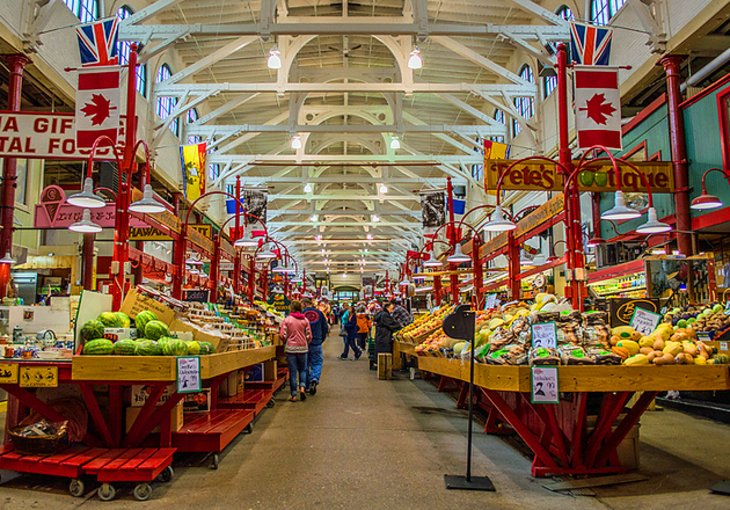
{"type": "Point", "coordinates": [320, 159]}
{"type": "Point", "coordinates": [478, 59]}
{"type": "Point", "coordinates": [222, 130]}
{"type": "Point", "coordinates": [178, 89]}
{"type": "Point", "coordinates": [212, 58]}
{"type": "Point", "coordinates": [349, 178]}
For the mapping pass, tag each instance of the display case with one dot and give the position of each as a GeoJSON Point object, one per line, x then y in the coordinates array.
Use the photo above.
{"type": "Point", "coordinates": [626, 280]}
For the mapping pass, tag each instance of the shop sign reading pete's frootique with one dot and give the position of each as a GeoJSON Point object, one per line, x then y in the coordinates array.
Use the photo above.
{"type": "Point", "coordinates": [543, 176]}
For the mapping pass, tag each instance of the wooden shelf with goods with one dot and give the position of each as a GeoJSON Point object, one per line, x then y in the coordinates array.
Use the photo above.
{"type": "Point", "coordinates": [602, 378]}
{"type": "Point", "coordinates": [162, 368]}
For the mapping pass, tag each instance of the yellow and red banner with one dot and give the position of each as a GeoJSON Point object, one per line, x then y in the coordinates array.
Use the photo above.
{"type": "Point", "coordinates": [193, 169]}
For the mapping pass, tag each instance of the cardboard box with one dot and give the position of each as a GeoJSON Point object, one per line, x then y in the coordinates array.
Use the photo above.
{"type": "Point", "coordinates": [232, 385]}
{"type": "Point", "coordinates": [199, 335]}
{"type": "Point", "coordinates": [197, 402]}
{"type": "Point", "coordinates": [141, 392]}
{"type": "Point", "coordinates": [115, 334]}
{"type": "Point", "coordinates": [176, 416]}
{"type": "Point", "coordinates": [135, 302]}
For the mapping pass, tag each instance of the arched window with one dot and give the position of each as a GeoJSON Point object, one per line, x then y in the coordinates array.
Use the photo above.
{"type": "Point", "coordinates": [525, 105]}
{"type": "Point", "coordinates": [603, 10]}
{"type": "Point", "coordinates": [549, 83]}
{"type": "Point", "coordinates": [214, 171]}
{"type": "Point", "coordinates": [85, 10]}
{"type": "Point", "coordinates": [191, 117]}
{"type": "Point", "coordinates": [164, 105]}
{"type": "Point", "coordinates": [124, 48]}
{"type": "Point", "coordinates": [499, 117]}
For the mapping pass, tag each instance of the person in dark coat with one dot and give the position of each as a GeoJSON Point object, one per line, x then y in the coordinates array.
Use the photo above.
{"type": "Point", "coordinates": [385, 326]}
{"type": "Point", "coordinates": [350, 326]}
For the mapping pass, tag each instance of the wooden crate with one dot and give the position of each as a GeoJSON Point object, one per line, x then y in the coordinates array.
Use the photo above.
{"type": "Point", "coordinates": [385, 366]}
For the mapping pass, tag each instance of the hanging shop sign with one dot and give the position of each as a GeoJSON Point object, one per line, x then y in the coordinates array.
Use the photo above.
{"type": "Point", "coordinates": [147, 233]}
{"type": "Point", "coordinates": [201, 241]}
{"type": "Point", "coordinates": [280, 302]}
{"type": "Point", "coordinates": [54, 212]}
{"type": "Point", "coordinates": [46, 136]}
{"type": "Point", "coordinates": [199, 296]}
{"type": "Point", "coordinates": [164, 218]}
{"type": "Point", "coordinates": [599, 176]}
{"type": "Point", "coordinates": [542, 214]}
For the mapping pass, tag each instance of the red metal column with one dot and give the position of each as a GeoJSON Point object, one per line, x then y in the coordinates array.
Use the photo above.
{"type": "Point", "coordinates": [237, 260]}
{"type": "Point", "coordinates": [437, 289]}
{"type": "Point", "coordinates": [138, 271]}
{"type": "Point", "coordinates": [576, 259]}
{"type": "Point", "coordinates": [120, 256]}
{"type": "Point", "coordinates": [87, 262]}
{"type": "Point", "coordinates": [453, 239]}
{"type": "Point", "coordinates": [214, 268]}
{"type": "Point", "coordinates": [178, 276]}
{"type": "Point", "coordinates": [513, 266]}
{"type": "Point", "coordinates": [671, 65]}
{"type": "Point", "coordinates": [596, 213]}
{"type": "Point", "coordinates": [251, 279]}
{"type": "Point", "coordinates": [16, 63]}
{"type": "Point", "coordinates": [478, 274]}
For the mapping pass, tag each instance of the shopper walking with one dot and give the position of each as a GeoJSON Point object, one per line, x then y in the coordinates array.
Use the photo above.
{"type": "Point", "coordinates": [364, 323]}
{"type": "Point", "coordinates": [320, 329]}
{"type": "Point", "coordinates": [350, 323]}
{"type": "Point", "coordinates": [385, 326]}
{"type": "Point", "coordinates": [297, 334]}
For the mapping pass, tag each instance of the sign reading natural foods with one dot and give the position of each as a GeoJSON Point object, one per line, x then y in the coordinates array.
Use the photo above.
{"type": "Point", "coordinates": [45, 136]}
{"type": "Point", "coordinates": [544, 176]}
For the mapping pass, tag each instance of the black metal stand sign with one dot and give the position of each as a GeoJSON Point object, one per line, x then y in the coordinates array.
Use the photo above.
{"type": "Point", "coordinates": [461, 324]}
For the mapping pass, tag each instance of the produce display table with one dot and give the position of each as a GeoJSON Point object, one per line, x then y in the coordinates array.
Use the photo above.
{"type": "Point", "coordinates": [581, 434]}
{"type": "Point", "coordinates": [101, 381]}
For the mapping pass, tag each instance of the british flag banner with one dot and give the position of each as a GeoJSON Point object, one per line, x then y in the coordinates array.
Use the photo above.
{"type": "Point", "coordinates": [597, 107]}
{"type": "Point", "coordinates": [97, 105]}
{"type": "Point", "coordinates": [98, 42]}
{"type": "Point", "coordinates": [590, 45]}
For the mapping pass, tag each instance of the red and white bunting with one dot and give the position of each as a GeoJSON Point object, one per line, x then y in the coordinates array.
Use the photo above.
{"type": "Point", "coordinates": [97, 105]}
{"type": "Point", "coordinates": [597, 107]}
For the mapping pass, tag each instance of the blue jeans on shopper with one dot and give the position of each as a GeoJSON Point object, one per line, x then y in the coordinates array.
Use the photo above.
{"type": "Point", "coordinates": [315, 360]}
{"type": "Point", "coordinates": [297, 362]}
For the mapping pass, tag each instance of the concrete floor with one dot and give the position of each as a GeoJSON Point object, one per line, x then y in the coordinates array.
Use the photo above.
{"type": "Point", "coordinates": [364, 443]}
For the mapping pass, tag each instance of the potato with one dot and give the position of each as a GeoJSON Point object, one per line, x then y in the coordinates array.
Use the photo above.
{"type": "Point", "coordinates": [651, 356]}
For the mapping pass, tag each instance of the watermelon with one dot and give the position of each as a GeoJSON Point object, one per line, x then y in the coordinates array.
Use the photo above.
{"type": "Point", "coordinates": [206, 348]}
{"type": "Point", "coordinates": [98, 347]}
{"type": "Point", "coordinates": [125, 347]}
{"type": "Point", "coordinates": [155, 330]}
{"type": "Point", "coordinates": [91, 330]}
{"type": "Point", "coordinates": [109, 319]}
{"type": "Point", "coordinates": [174, 347]}
{"type": "Point", "coordinates": [148, 348]}
{"type": "Point", "coordinates": [142, 319]}
{"type": "Point", "coordinates": [193, 348]}
{"type": "Point", "coordinates": [123, 319]}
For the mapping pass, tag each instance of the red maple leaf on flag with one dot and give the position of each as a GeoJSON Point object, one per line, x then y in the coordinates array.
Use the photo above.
{"type": "Point", "coordinates": [98, 109]}
{"type": "Point", "coordinates": [598, 109]}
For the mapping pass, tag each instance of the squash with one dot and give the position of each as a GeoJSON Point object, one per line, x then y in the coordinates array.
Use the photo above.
{"type": "Point", "coordinates": [629, 345]}
{"type": "Point", "coordinates": [680, 358]}
{"type": "Point", "coordinates": [646, 341]}
{"type": "Point", "coordinates": [700, 360]}
{"type": "Point", "coordinates": [615, 339]}
{"type": "Point", "coordinates": [658, 344]}
{"type": "Point", "coordinates": [620, 351]}
{"type": "Point", "coordinates": [646, 350]}
{"type": "Point", "coordinates": [664, 359]}
{"type": "Point", "coordinates": [672, 348]}
{"type": "Point", "coordinates": [637, 360]}
{"type": "Point", "coordinates": [689, 347]}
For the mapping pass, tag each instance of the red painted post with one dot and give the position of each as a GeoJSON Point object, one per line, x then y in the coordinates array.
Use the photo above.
{"type": "Point", "coordinates": [453, 239]}
{"type": "Point", "coordinates": [214, 268]}
{"type": "Point", "coordinates": [478, 273]}
{"type": "Point", "coordinates": [237, 260]}
{"type": "Point", "coordinates": [574, 235]}
{"type": "Point", "coordinates": [513, 266]}
{"type": "Point", "coordinates": [120, 256]}
{"type": "Point", "coordinates": [437, 289]}
{"type": "Point", "coordinates": [304, 281]}
{"type": "Point", "coordinates": [252, 279]}
{"type": "Point", "coordinates": [16, 62]}
{"type": "Point", "coordinates": [87, 261]}
{"type": "Point", "coordinates": [671, 65]}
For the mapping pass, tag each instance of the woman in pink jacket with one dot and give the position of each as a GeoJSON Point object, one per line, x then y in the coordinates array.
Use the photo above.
{"type": "Point", "coordinates": [297, 335]}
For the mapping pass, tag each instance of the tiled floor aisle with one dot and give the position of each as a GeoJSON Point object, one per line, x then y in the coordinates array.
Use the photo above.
{"type": "Point", "coordinates": [364, 443]}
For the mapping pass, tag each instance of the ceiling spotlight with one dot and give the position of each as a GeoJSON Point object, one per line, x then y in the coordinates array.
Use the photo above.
{"type": "Point", "coordinates": [296, 142]}
{"type": "Point", "coordinates": [394, 143]}
{"type": "Point", "coordinates": [274, 60]}
{"type": "Point", "coordinates": [314, 217]}
{"type": "Point", "coordinates": [415, 61]}
{"type": "Point", "coordinates": [383, 189]}
{"type": "Point", "coordinates": [308, 188]}
{"type": "Point", "coordinates": [374, 218]}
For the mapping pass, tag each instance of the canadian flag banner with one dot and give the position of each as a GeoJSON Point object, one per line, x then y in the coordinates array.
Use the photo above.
{"type": "Point", "coordinates": [597, 107]}
{"type": "Point", "coordinates": [97, 105]}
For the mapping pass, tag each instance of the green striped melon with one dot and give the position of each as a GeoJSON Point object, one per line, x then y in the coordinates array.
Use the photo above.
{"type": "Point", "coordinates": [125, 347]}
{"type": "Point", "coordinates": [148, 348]}
{"type": "Point", "coordinates": [98, 347]}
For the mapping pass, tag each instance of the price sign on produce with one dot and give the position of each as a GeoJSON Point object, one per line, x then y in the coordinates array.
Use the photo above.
{"type": "Point", "coordinates": [491, 302]}
{"type": "Point", "coordinates": [188, 374]}
{"type": "Point", "coordinates": [544, 383]}
{"type": "Point", "coordinates": [545, 334]}
{"type": "Point", "coordinates": [644, 321]}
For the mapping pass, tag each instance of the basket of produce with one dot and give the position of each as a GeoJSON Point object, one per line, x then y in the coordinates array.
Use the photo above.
{"type": "Point", "coordinates": [40, 437]}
